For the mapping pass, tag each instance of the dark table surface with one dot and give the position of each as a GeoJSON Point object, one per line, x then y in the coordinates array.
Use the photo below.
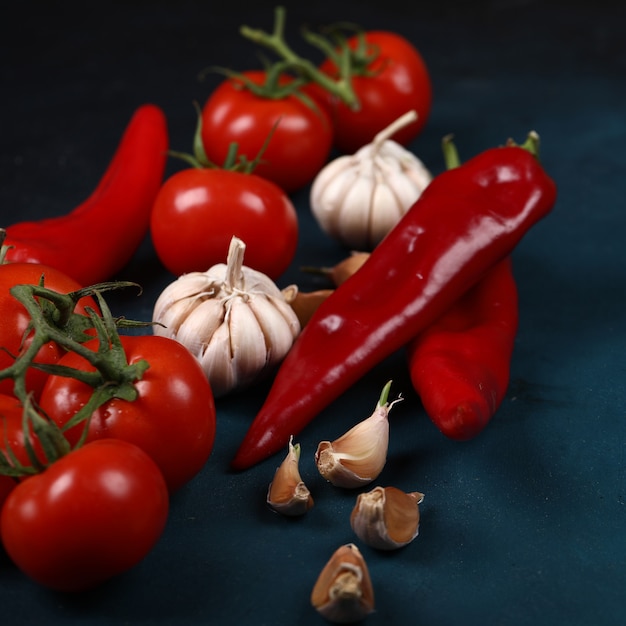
{"type": "Point", "coordinates": [522, 525]}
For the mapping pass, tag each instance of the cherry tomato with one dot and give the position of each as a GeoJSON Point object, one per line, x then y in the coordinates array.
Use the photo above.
{"type": "Point", "coordinates": [398, 81]}
{"type": "Point", "coordinates": [173, 419]}
{"type": "Point", "coordinates": [91, 515]}
{"type": "Point", "coordinates": [15, 318]}
{"type": "Point", "coordinates": [300, 135]}
{"type": "Point", "coordinates": [197, 212]}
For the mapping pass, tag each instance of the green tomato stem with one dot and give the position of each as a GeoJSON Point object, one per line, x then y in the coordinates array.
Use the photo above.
{"type": "Point", "coordinates": [53, 320]}
{"type": "Point", "coordinates": [275, 41]}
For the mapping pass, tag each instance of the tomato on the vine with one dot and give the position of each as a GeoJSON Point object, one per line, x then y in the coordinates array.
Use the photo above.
{"type": "Point", "coordinates": [394, 82]}
{"type": "Point", "coordinates": [13, 439]}
{"type": "Point", "coordinates": [199, 210]}
{"type": "Point", "coordinates": [172, 419]}
{"type": "Point", "coordinates": [89, 516]}
{"type": "Point", "coordinates": [298, 133]}
{"type": "Point", "coordinates": [15, 318]}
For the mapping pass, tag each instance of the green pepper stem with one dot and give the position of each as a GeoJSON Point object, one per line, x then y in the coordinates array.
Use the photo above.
{"type": "Point", "coordinates": [450, 153]}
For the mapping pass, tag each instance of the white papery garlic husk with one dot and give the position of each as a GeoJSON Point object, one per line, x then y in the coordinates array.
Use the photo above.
{"type": "Point", "coordinates": [232, 318]}
{"type": "Point", "coordinates": [358, 456]}
{"type": "Point", "coordinates": [357, 199]}
{"type": "Point", "coordinates": [343, 592]}
{"type": "Point", "coordinates": [386, 518]}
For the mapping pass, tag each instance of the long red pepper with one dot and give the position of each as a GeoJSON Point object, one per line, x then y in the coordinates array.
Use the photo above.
{"type": "Point", "coordinates": [467, 220]}
{"type": "Point", "coordinates": [460, 365]}
{"type": "Point", "coordinates": [95, 240]}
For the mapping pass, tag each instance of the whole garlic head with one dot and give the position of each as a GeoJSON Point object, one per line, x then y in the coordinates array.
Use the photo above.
{"type": "Point", "coordinates": [232, 318]}
{"type": "Point", "coordinates": [357, 199]}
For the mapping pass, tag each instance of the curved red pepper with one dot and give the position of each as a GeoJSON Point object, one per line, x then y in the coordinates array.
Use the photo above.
{"type": "Point", "coordinates": [468, 219]}
{"type": "Point", "coordinates": [96, 240]}
{"type": "Point", "coordinates": [460, 365]}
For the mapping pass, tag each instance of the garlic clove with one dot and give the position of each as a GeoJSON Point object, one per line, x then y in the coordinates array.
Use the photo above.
{"type": "Point", "coordinates": [358, 457]}
{"type": "Point", "coordinates": [305, 303]}
{"type": "Point", "coordinates": [343, 592]}
{"type": "Point", "coordinates": [353, 217]}
{"type": "Point", "coordinates": [386, 518]}
{"type": "Point", "coordinates": [201, 322]}
{"type": "Point", "coordinates": [287, 493]}
{"type": "Point", "coordinates": [381, 222]}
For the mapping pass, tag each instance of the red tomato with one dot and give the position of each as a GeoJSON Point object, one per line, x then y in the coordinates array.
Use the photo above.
{"type": "Point", "coordinates": [197, 212]}
{"type": "Point", "coordinates": [89, 516]}
{"type": "Point", "coordinates": [173, 419]}
{"type": "Point", "coordinates": [301, 135]}
{"type": "Point", "coordinates": [15, 318]}
{"type": "Point", "coordinates": [398, 82]}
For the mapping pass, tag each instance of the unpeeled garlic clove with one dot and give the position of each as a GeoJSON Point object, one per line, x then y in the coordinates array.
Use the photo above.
{"type": "Point", "coordinates": [305, 303]}
{"type": "Point", "coordinates": [343, 592]}
{"type": "Point", "coordinates": [387, 518]}
{"type": "Point", "coordinates": [287, 493]}
{"type": "Point", "coordinates": [358, 456]}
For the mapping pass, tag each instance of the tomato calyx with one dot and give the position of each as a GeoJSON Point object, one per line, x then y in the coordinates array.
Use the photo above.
{"type": "Point", "coordinates": [360, 58]}
{"type": "Point", "coordinates": [3, 249]}
{"type": "Point", "coordinates": [233, 162]}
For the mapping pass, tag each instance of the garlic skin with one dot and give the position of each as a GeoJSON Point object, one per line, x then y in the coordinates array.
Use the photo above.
{"type": "Point", "coordinates": [386, 518]}
{"type": "Point", "coordinates": [305, 303]}
{"type": "Point", "coordinates": [287, 493]}
{"type": "Point", "coordinates": [343, 592]}
{"type": "Point", "coordinates": [357, 199]}
{"type": "Point", "coordinates": [358, 457]}
{"type": "Point", "coordinates": [232, 318]}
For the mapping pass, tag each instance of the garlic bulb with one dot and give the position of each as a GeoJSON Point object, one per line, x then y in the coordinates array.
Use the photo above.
{"type": "Point", "coordinates": [358, 456]}
{"type": "Point", "coordinates": [386, 518]}
{"type": "Point", "coordinates": [343, 592]}
{"type": "Point", "coordinates": [232, 318]}
{"type": "Point", "coordinates": [287, 493]}
{"type": "Point", "coordinates": [357, 199]}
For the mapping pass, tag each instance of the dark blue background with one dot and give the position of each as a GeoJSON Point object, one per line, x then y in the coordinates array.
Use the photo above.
{"type": "Point", "coordinates": [523, 525]}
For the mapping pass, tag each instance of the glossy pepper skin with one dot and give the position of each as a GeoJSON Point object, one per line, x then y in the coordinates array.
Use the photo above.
{"type": "Point", "coordinates": [468, 219]}
{"type": "Point", "coordinates": [95, 240]}
{"type": "Point", "coordinates": [460, 365]}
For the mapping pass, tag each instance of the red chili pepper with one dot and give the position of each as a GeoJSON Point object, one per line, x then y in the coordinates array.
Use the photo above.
{"type": "Point", "coordinates": [467, 220]}
{"type": "Point", "coordinates": [460, 365]}
{"type": "Point", "coordinates": [96, 240]}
